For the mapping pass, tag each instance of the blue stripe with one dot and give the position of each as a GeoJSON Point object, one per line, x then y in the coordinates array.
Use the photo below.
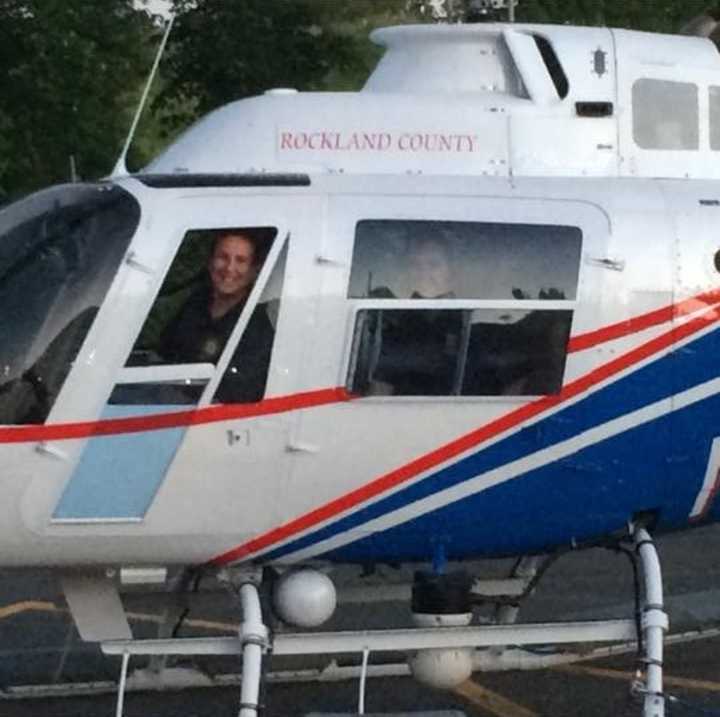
{"type": "Point", "coordinates": [680, 370]}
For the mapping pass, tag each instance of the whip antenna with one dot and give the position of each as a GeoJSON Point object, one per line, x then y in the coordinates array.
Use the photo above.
{"type": "Point", "coordinates": [121, 166]}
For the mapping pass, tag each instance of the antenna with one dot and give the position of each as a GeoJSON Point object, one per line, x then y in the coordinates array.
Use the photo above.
{"type": "Point", "coordinates": [121, 166]}
{"type": "Point", "coordinates": [73, 169]}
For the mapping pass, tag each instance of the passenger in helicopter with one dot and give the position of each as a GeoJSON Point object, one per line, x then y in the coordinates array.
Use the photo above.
{"type": "Point", "coordinates": [418, 349]}
{"type": "Point", "coordinates": [199, 331]}
{"type": "Point", "coordinates": [429, 275]}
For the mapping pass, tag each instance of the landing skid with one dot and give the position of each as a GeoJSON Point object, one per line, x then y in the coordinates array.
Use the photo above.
{"type": "Point", "coordinates": [254, 640]}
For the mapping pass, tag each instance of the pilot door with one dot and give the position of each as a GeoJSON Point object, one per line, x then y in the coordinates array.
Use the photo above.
{"type": "Point", "coordinates": [186, 423]}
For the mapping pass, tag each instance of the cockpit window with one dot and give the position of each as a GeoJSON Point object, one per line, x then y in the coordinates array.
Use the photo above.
{"type": "Point", "coordinates": [396, 259]}
{"type": "Point", "coordinates": [59, 252]}
{"type": "Point", "coordinates": [461, 308]}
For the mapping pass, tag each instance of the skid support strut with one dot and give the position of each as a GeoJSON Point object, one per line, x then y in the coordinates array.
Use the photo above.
{"type": "Point", "coordinates": [253, 635]}
{"type": "Point", "coordinates": [253, 641]}
{"type": "Point", "coordinates": [654, 625]}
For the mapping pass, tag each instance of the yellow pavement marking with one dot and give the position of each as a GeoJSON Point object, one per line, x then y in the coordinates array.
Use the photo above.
{"type": "Point", "coordinates": [195, 622]}
{"type": "Point", "coordinates": [27, 606]}
{"type": "Point", "coordinates": [686, 682]}
{"type": "Point", "coordinates": [41, 606]}
{"type": "Point", "coordinates": [491, 701]}
{"type": "Point", "coordinates": [213, 625]}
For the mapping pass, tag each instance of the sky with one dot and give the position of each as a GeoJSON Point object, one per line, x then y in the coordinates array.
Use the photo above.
{"type": "Point", "coordinates": [157, 7]}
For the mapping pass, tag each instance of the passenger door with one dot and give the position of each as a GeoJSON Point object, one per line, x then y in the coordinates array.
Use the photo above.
{"type": "Point", "coordinates": [429, 361]}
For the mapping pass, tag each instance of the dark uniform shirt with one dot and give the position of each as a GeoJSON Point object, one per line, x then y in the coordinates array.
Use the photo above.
{"type": "Point", "coordinates": [194, 336]}
{"type": "Point", "coordinates": [414, 351]}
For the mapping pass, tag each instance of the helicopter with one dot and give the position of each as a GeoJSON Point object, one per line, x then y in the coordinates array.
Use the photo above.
{"type": "Point", "coordinates": [479, 333]}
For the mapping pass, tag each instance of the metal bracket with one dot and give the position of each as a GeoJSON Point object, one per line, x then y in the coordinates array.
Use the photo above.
{"type": "Point", "coordinates": [96, 607]}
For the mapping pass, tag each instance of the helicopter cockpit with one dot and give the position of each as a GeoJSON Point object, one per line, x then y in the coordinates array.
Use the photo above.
{"type": "Point", "coordinates": [59, 252]}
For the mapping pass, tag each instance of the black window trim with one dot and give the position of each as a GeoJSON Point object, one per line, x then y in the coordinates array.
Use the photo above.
{"type": "Point", "coordinates": [188, 180]}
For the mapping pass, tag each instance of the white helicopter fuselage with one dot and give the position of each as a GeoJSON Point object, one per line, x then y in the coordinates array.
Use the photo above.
{"type": "Point", "coordinates": [580, 390]}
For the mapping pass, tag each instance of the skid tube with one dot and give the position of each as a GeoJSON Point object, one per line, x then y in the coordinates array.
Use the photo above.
{"type": "Point", "coordinates": [654, 625]}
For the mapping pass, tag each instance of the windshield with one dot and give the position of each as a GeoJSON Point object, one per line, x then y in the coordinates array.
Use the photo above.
{"type": "Point", "coordinates": [59, 251]}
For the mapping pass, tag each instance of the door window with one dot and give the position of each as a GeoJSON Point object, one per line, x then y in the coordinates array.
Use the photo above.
{"type": "Point", "coordinates": [461, 308]}
{"type": "Point", "coordinates": [204, 296]}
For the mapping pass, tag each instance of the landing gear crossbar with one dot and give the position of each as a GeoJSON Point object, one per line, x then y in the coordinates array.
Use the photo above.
{"type": "Point", "coordinates": [390, 640]}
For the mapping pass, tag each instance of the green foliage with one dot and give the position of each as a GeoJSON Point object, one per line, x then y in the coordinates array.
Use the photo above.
{"type": "Point", "coordinates": [655, 15]}
{"type": "Point", "coordinates": [256, 45]}
{"type": "Point", "coordinates": [223, 51]}
{"type": "Point", "coordinates": [70, 75]}
{"type": "Point", "coordinates": [652, 15]}
{"type": "Point", "coordinates": [354, 21]}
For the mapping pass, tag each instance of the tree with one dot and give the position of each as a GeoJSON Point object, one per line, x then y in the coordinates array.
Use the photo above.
{"type": "Point", "coordinates": [71, 71]}
{"type": "Point", "coordinates": [256, 45]}
{"type": "Point", "coordinates": [657, 16]}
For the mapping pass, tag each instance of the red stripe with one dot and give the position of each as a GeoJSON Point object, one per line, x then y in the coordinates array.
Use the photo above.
{"type": "Point", "coordinates": [709, 500]}
{"type": "Point", "coordinates": [194, 417]}
{"type": "Point", "coordinates": [644, 321]}
{"type": "Point", "coordinates": [464, 443]}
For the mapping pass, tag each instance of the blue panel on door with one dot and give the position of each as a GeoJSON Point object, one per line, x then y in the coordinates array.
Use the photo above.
{"type": "Point", "coordinates": [117, 476]}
